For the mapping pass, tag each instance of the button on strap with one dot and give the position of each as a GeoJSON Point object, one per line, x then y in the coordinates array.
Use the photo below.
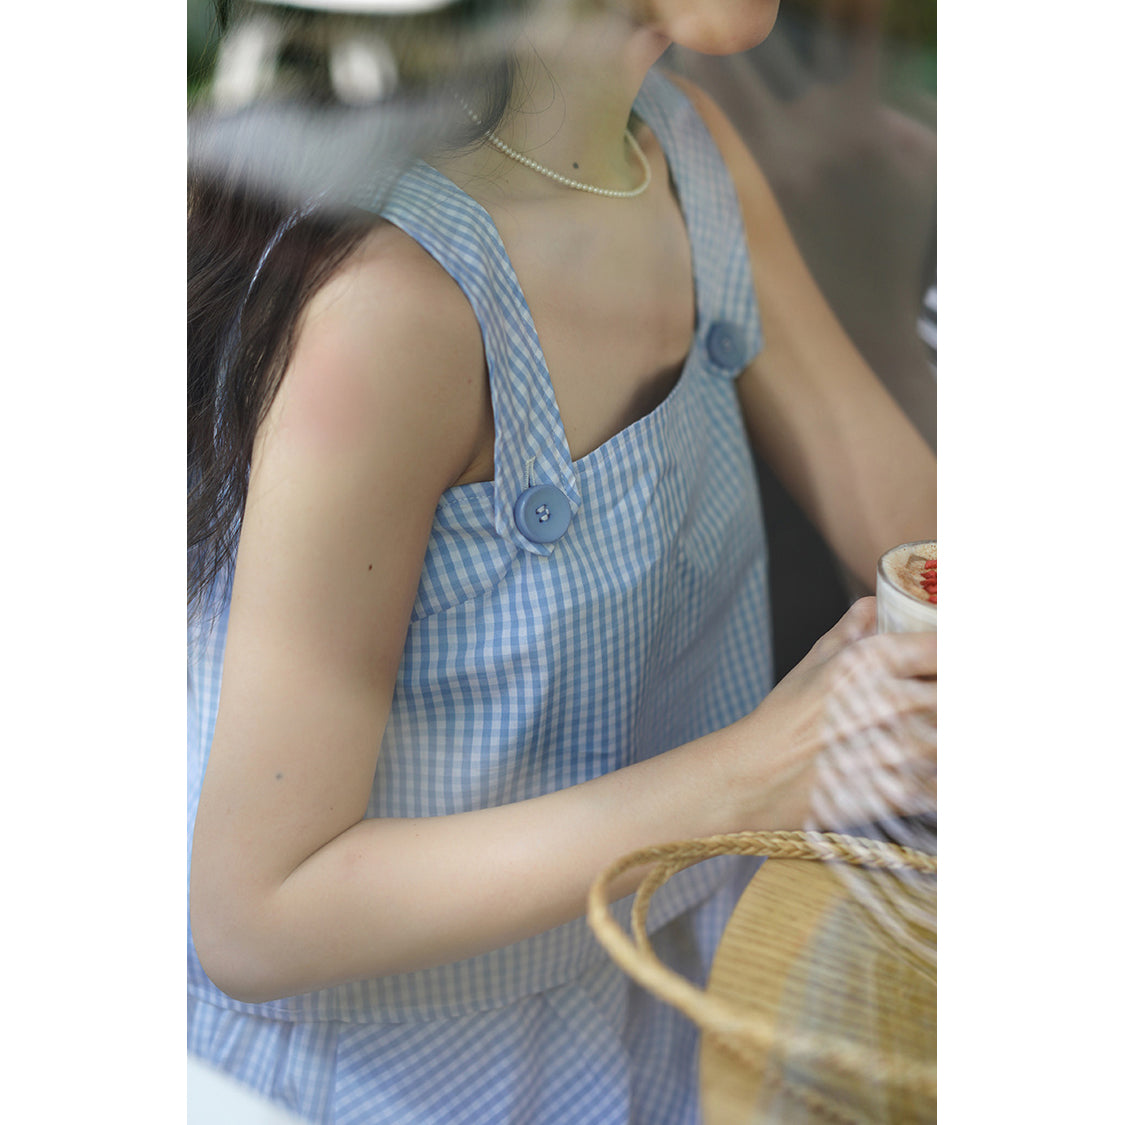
{"type": "Point", "coordinates": [727, 346]}
{"type": "Point", "coordinates": [542, 513]}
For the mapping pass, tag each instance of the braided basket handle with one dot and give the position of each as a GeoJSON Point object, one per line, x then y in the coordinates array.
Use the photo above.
{"type": "Point", "coordinates": [747, 1035]}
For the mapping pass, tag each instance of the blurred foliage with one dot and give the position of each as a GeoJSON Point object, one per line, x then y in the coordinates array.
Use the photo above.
{"type": "Point", "coordinates": [910, 29]}
{"type": "Point", "coordinates": [202, 41]}
{"type": "Point", "coordinates": [914, 21]}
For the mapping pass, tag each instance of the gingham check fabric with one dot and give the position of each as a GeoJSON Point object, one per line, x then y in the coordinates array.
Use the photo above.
{"type": "Point", "coordinates": [531, 666]}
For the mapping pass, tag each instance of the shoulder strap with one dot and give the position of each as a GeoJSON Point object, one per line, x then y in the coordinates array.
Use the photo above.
{"type": "Point", "coordinates": [531, 447]}
{"type": "Point", "coordinates": [726, 304]}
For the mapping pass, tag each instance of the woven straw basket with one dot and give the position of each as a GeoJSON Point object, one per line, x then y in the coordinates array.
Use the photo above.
{"type": "Point", "coordinates": [821, 1005]}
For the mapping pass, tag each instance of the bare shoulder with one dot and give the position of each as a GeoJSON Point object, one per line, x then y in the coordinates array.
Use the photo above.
{"type": "Point", "coordinates": [389, 346]}
{"type": "Point", "coordinates": [376, 416]}
{"type": "Point", "coordinates": [388, 277]}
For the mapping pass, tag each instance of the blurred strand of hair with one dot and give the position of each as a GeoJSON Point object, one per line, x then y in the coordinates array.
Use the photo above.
{"type": "Point", "coordinates": [253, 266]}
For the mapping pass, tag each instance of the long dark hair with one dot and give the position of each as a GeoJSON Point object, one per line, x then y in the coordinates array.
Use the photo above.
{"type": "Point", "coordinates": [255, 259]}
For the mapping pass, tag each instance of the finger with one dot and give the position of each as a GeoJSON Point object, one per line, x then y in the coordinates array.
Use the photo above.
{"type": "Point", "coordinates": [859, 620]}
{"type": "Point", "coordinates": [851, 714]}
{"type": "Point", "coordinates": [877, 677]}
{"type": "Point", "coordinates": [919, 729]}
{"type": "Point", "coordinates": [902, 655]}
{"type": "Point", "coordinates": [905, 745]}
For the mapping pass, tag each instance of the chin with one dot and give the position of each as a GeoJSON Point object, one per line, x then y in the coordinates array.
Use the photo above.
{"type": "Point", "coordinates": [716, 27]}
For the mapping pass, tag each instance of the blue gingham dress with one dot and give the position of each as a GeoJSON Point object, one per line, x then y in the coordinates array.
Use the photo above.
{"type": "Point", "coordinates": [534, 665]}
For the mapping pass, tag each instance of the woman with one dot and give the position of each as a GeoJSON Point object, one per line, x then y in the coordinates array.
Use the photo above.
{"type": "Point", "coordinates": [498, 614]}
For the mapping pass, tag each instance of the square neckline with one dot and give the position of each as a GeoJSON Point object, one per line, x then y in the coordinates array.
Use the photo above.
{"type": "Point", "coordinates": [589, 461]}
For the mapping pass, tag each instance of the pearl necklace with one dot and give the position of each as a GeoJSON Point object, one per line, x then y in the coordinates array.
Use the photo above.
{"type": "Point", "coordinates": [566, 181]}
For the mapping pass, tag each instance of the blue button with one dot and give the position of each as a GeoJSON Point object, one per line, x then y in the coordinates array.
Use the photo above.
{"type": "Point", "coordinates": [543, 513]}
{"type": "Point", "coordinates": [726, 345]}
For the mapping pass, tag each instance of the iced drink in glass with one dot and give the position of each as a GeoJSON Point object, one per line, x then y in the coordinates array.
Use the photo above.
{"type": "Point", "coordinates": [906, 588]}
{"type": "Point", "coordinates": [906, 602]}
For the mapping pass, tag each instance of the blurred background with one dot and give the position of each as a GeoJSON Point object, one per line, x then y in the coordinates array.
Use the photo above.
{"type": "Point", "coordinates": [838, 106]}
{"type": "Point", "coordinates": [908, 27]}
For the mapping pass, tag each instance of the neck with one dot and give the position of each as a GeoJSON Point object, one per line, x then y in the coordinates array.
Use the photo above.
{"type": "Point", "coordinates": [574, 92]}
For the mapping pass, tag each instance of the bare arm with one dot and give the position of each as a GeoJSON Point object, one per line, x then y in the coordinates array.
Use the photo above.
{"type": "Point", "coordinates": [292, 888]}
{"type": "Point", "coordinates": [814, 409]}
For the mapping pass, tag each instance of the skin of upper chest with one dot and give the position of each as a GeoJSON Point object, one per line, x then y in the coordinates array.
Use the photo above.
{"type": "Point", "coordinates": [609, 286]}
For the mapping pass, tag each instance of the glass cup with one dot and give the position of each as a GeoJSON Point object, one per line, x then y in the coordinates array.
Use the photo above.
{"type": "Point", "coordinates": [906, 602]}
{"type": "Point", "coordinates": [906, 588]}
